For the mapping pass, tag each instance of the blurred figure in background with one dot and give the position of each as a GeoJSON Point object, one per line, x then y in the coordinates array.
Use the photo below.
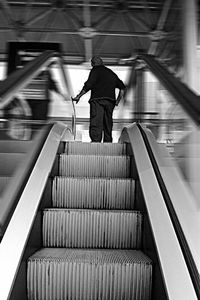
{"type": "Point", "coordinates": [40, 103]}
{"type": "Point", "coordinates": [17, 112]}
{"type": "Point", "coordinates": [102, 82]}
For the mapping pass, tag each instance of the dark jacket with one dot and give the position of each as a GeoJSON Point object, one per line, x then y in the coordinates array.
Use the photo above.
{"type": "Point", "coordinates": [102, 82]}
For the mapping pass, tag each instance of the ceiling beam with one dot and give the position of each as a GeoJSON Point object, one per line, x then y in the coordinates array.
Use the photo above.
{"type": "Point", "coordinates": [138, 21]}
{"type": "Point", "coordinates": [16, 26]}
{"type": "Point", "coordinates": [148, 14]}
{"type": "Point", "coordinates": [74, 21]}
{"type": "Point", "coordinates": [136, 40]}
{"type": "Point", "coordinates": [103, 19]}
{"type": "Point", "coordinates": [87, 26]}
{"type": "Point", "coordinates": [40, 16]}
{"type": "Point", "coordinates": [160, 26]}
{"type": "Point", "coordinates": [27, 11]}
{"type": "Point", "coordinates": [75, 32]}
{"type": "Point", "coordinates": [131, 5]}
{"type": "Point", "coordinates": [8, 14]}
{"type": "Point", "coordinates": [48, 25]}
{"type": "Point", "coordinates": [101, 39]}
{"type": "Point", "coordinates": [107, 4]}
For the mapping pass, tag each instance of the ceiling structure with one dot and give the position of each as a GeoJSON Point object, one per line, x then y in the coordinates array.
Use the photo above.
{"type": "Point", "coordinates": [117, 30]}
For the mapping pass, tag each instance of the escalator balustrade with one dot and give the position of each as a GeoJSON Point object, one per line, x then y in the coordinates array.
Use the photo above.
{"type": "Point", "coordinates": [92, 236]}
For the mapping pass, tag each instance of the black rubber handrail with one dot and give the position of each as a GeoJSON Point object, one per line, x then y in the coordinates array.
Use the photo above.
{"type": "Point", "coordinates": [21, 77]}
{"type": "Point", "coordinates": [192, 268]}
{"type": "Point", "coordinates": [188, 100]}
{"type": "Point", "coordinates": [9, 87]}
{"type": "Point", "coordinates": [8, 204]}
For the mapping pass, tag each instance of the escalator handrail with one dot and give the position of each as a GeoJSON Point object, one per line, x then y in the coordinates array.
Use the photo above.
{"type": "Point", "coordinates": [13, 84]}
{"type": "Point", "coordinates": [188, 100]}
{"type": "Point", "coordinates": [20, 225]}
{"type": "Point", "coordinates": [18, 79]}
{"type": "Point", "coordinates": [170, 256]}
{"type": "Point", "coordinates": [12, 193]}
{"type": "Point", "coordinates": [190, 262]}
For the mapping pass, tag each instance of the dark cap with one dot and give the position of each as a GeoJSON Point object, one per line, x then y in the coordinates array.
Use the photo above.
{"type": "Point", "coordinates": [96, 61]}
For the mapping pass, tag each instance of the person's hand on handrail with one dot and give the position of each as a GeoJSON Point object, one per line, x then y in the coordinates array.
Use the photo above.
{"type": "Point", "coordinates": [77, 97]}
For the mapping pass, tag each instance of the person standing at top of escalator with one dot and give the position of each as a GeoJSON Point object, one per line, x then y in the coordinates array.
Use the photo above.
{"type": "Point", "coordinates": [102, 83]}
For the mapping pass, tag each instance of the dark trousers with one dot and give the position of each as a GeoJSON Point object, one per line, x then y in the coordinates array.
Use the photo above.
{"type": "Point", "coordinates": [101, 122]}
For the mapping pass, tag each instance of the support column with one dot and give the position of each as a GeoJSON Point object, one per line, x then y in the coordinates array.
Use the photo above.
{"type": "Point", "coordinates": [139, 96]}
{"type": "Point", "coordinates": [190, 146]}
{"type": "Point", "coordinates": [190, 29]}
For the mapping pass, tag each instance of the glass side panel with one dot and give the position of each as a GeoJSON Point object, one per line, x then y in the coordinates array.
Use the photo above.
{"type": "Point", "coordinates": [163, 114]}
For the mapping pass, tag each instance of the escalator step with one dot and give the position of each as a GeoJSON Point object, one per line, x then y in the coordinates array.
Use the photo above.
{"type": "Point", "coordinates": [94, 166]}
{"type": "Point", "coordinates": [95, 148]}
{"type": "Point", "coordinates": [101, 193]}
{"type": "Point", "coordinates": [77, 274]}
{"type": "Point", "coordinates": [92, 228]}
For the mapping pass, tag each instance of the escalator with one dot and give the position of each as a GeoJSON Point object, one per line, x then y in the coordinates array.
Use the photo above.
{"type": "Point", "coordinates": [91, 236]}
{"type": "Point", "coordinates": [99, 228]}
{"type": "Point", "coordinates": [92, 223]}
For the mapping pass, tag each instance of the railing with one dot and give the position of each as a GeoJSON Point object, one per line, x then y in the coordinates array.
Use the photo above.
{"type": "Point", "coordinates": [15, 238]}
{"type": "Point", "coordinates": [181, 92]}
{"type": "Point", "coordinates": [19, 79]}
{"type": "Point", "coordinates": [181, 280]}
{"type": "Point", "coordinates": [21, 169]}
{"type": "Point", "coordinates": [185, 234]}
{"type": "Point", "coordinates": [178, 120]}
{"type": "Point", "coordinates": [17, 178]}
{"type": "Point", "coordinates": [175, 106]}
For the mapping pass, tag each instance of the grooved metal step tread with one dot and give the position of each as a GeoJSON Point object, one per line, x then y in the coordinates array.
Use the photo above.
{"type": "Point", "coordinates": [94, 166]}
{"type": "Point", "coordinates": [104, 193]}
{"type": "Point", "coordinates": [83, 210]}
{"type": "Point", "coordinates": [89, 274]}
{"type": "Point", "coordinates": [91, 256]}
{"type": "Point", "coordinates": [95, 148]}
{"type": "Point", "coordinates": [92, 228]}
